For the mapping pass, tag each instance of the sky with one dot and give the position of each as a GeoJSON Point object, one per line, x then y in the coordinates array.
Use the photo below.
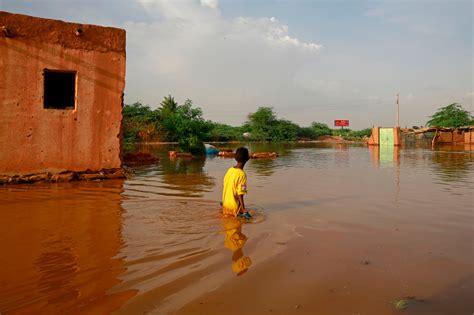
{"type": "Point", "coordinates": [309, 60]}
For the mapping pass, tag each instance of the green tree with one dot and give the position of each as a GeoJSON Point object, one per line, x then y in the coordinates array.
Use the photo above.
{"type": "Point", "coordinates": [140, 123]}
{"type": "Point", "coordinates": [320, 129]}
{"type": "Point", "coordinates": [187, 126]}
{"type": "Point", "coordinates": [284, 130]}
{"type": "Point", "coordinates": [166, 111]}
{"type": "Point", "coordinates": [306, 133]}
{"type": "Point", "coordinates": [452, 115]}
{"type": "Point", "coordinates": [261, 123]}
{"type": "Point", "coordinates": [223, 132]}
{"type": "Point", "coordinates": [168, 107]}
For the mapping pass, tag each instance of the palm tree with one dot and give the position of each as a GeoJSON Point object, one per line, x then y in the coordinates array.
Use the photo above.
{"type": "Point", "coordinates": [168, 106]}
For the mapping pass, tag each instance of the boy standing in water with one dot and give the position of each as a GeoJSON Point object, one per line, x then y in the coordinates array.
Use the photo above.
{"type": "Point", "coordinates": [235, 187]}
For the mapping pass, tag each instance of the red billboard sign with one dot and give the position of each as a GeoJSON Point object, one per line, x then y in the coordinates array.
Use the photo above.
{"type": "Point", "coordinates": [341, 123]}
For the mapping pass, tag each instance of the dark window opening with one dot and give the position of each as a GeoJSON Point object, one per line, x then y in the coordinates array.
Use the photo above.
{"type": "Point", "coordinates": [59, 89]}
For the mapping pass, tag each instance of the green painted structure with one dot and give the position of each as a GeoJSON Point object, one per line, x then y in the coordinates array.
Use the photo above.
{"type": "Point", "coordinates": [385, 136]}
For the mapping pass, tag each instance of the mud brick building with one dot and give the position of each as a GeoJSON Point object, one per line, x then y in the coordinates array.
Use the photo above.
{"type": "Point", "coordinates": [61, 90]}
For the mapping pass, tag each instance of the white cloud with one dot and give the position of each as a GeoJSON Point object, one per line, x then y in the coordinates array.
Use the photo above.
{"type": "Point", "coordinates": [210, 3]}
{"type": "Point", "coordinates": [228, 66]}
{"type": "Point", "coordinates": [271, 31]}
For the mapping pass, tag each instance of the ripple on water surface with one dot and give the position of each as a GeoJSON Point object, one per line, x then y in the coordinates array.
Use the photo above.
{"type": "Point", "coordinates": [172, 243]}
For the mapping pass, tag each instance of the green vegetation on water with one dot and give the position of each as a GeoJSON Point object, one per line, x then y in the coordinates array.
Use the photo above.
{"type": "Point", "coordinates": [170, 122]}
{"type": "Point", "coordinates": [185, 124]}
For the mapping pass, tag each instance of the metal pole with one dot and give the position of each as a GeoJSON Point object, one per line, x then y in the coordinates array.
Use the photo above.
{"type": "Point", "coordinates": [398, 110]}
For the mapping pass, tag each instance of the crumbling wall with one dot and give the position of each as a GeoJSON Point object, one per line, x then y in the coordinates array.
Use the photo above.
{"type": "Point", "coordinates": [38, 140]}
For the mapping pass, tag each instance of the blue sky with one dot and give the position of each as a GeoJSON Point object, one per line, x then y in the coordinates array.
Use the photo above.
{"type": "Point", "coordinates": [310, 60]}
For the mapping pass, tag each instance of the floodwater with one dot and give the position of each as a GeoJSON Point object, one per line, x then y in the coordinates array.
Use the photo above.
{"type": "Point", "coordinates": [338, 229]}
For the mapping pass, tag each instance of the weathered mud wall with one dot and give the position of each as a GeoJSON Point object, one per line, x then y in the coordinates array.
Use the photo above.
{"type": "Point", "coordinates": [469, 136]}
{"type": "Point", "coordinates": [396, 136]}
{"type": "Point", "coordinates": [444, 137]}
{"type": "Point", "coordinates": [36, 140]}
{"type": "Point", "coordinates": [374, 137]}
{"type": "Point", "coordinates": [456, 136]}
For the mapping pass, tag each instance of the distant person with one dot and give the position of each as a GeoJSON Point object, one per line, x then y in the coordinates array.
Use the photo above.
{"type": "Point", "coordinates": [235, 187]}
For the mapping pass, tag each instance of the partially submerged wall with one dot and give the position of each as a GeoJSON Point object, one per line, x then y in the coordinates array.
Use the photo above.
{"type": "Point", "coordinates": [454, 136]}
{"type": "Point", "coordinates": [35, 139]}
{"type": "Point", "coordinates": [469, 136]}
{"type": "Point", "coordinates": [396, 136]}
{"type": "Point", "coordinates": [443, 135]}
{"type": "Point", "coordinates": [375, 136]}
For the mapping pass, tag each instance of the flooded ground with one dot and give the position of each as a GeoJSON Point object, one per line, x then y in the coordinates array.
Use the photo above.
{"type": "Point", "coordinates": [339, 229]}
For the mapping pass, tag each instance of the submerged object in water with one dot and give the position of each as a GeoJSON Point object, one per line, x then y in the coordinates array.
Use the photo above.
{"type": "Point", "coordinates": [175, 154]}
{"type": "Point", "coordinates": [228, 154]}
{"type": "Point", "coordinates": [263, 155]}
{"type": "Point", "coordinates": [139, 158]}
{"type": "Point", "coordinates": [406, 302]}
{"type": "Point", "coordinates": [210, 149]}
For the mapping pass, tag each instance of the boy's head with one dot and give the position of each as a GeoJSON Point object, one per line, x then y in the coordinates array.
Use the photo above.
{"type": "Point", "coordinates": [242, 155]}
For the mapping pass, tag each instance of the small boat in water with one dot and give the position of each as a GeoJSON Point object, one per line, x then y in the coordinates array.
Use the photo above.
{"type": "Point", "coordinates": [210, 149]}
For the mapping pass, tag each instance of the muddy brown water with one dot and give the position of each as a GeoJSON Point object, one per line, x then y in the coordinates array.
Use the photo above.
{"type": "Point", "coordinates": [338, 229]}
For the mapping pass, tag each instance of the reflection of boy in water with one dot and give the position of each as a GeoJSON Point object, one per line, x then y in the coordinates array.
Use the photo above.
{"type": "Point", "coordinates": [235, 241]}
{"type": "Point", "coordinates": [235, 186]}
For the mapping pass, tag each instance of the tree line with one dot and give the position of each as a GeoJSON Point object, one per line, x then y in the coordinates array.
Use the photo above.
{"type": "Point", "coordinates": [185, 124]}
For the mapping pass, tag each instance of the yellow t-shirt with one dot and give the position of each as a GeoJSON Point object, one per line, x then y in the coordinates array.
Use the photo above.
{"type": "Point", "coordinates": [235, 184]}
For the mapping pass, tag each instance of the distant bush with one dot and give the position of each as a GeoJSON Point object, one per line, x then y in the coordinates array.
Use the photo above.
{"type": "Point", "coordinates": [306, 133]}
{"type": "Point", "coordinates": [140, 123]}
{"type": "Point", "coordinates": [320, 129]}
{"type": "Point", "coordinates": [284, 130]}
{"type": "Point", "coordinates": [186, 126]}
{"type": "Point", "coordinates": [361, 133]}
{"type": "Point", "coordinates": [350, 134]}
{"type": "Point", "coordinates": [223, 132]}
{"type": "Point", "coordinates": [262, 124]}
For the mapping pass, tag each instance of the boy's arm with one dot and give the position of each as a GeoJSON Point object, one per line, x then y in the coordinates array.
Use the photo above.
{"type": "Point", "coordinates": [242, 204]}
{"type": "Point", "coordinates": [241, 192]}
